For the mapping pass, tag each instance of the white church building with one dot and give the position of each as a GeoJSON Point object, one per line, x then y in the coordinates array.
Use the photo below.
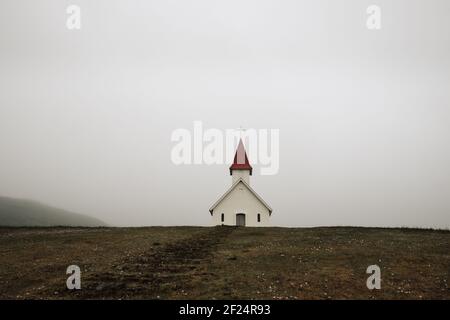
{"type": "Point", "coordinates": [240, 205]}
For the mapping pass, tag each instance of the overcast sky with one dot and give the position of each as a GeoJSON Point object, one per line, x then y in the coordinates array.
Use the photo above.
{"type": "Point", "coordinates": [86, 116]}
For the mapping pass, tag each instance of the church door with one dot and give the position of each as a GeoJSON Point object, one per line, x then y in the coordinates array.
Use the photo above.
{"type": "Point", "coordinates": [240, 220]}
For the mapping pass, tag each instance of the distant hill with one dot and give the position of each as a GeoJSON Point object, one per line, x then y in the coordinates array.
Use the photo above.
{"type": "Point", "coordinates": [21, 212]}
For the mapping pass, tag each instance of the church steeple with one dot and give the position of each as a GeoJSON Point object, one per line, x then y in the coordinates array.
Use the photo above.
{"type": "Point", "coordinates": [241, 167]}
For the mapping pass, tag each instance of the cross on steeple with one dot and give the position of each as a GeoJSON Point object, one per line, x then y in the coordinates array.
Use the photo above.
{"type": "Point", "coordinates": [241, 130]}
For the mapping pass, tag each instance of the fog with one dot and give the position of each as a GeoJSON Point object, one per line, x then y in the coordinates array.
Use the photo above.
{"type": "Point", "coordinates": [86, 116]}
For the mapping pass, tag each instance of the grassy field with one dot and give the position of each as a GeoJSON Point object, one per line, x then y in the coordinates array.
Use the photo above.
{"type": "Point", "coordinates": [224, 263]}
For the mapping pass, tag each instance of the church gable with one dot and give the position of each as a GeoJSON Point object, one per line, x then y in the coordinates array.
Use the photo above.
{"type": "Point", "coordinates": [239, 191]}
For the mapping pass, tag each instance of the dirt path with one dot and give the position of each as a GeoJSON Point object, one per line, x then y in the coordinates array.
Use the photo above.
{"type": "Point", "coordinates": [166, 272]}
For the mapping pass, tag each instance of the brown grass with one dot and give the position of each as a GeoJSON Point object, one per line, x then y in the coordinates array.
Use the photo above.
{"type": "Point", "coordinates": [224, 263]}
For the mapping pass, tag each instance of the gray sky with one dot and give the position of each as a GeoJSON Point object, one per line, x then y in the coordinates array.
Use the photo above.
{"type": "Point", "coordinates": [364, 116]}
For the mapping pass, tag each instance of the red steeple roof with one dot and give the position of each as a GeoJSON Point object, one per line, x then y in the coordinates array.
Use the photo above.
{"type": "Point", "coordinates": [240, 159]}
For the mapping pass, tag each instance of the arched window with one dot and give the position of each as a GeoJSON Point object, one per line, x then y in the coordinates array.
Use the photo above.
{"type": "Point", "coordinates": [222, 217]}
{"type": "Point", "coordinates": [259, 217]}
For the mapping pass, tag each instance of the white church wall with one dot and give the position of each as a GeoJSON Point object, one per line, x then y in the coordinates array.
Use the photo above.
{"type": "Point", "coordinates": [249, 204]}
{"type": "Point", "coordinates": [238, 174]}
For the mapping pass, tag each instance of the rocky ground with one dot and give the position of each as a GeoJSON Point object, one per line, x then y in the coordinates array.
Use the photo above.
{"type": "Point", "coordinates": [224, 263]}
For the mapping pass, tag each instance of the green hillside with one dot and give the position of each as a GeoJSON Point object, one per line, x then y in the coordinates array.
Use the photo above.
{"type": "Point", "coordinates": [20, 212]}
